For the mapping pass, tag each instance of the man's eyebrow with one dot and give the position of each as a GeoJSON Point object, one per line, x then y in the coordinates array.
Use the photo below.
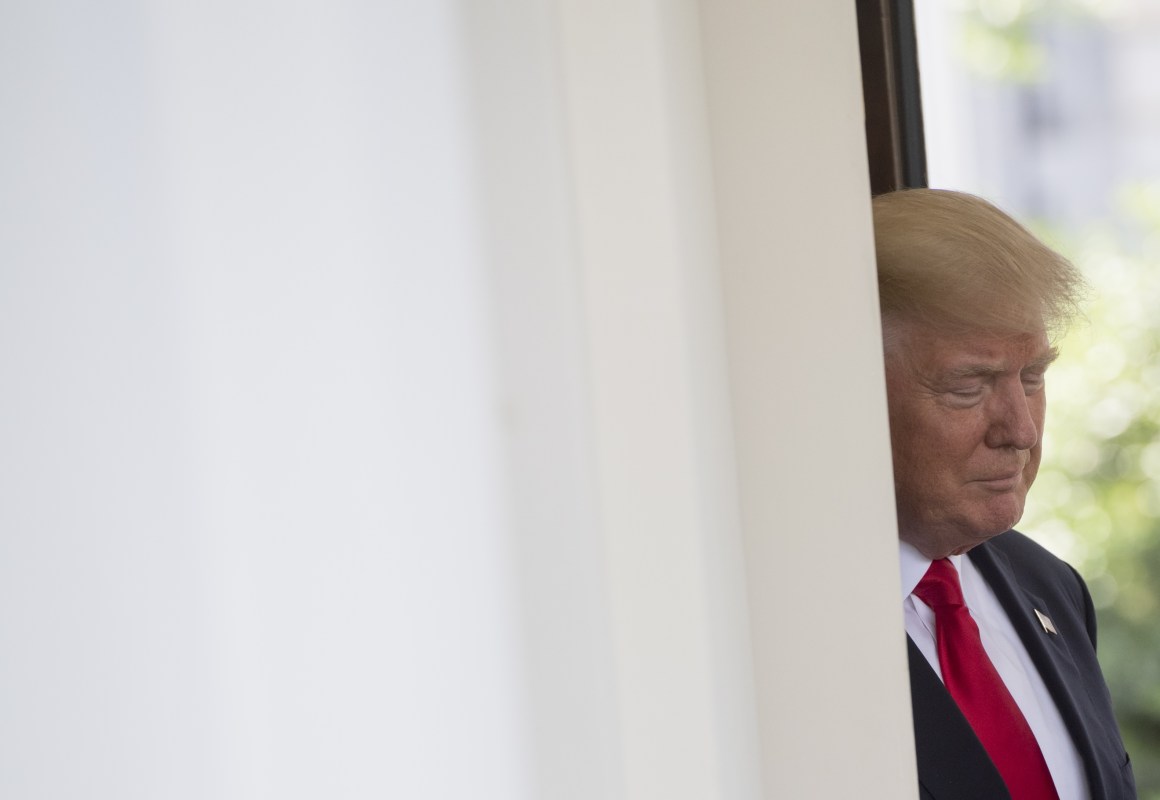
{"type": "Point", "coordinates": [1044, 361]}
{"type": "Point", "coordinates": [987, 370]}
{"type": "Point", "coordinates": [972, 371]}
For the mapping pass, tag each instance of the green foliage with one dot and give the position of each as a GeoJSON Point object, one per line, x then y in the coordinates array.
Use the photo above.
{"type": "Point", "coordinates": [996, 37]}
{"type": "Point", "coordinates": [995, 41]}
{"type": "Point", "coordinates": [1097, 500]}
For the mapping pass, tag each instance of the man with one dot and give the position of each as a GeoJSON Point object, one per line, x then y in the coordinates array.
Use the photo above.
{"type": "Point", "coordinates": [1008, 697]}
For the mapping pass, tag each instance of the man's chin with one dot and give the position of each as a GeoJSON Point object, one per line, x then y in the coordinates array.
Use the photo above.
{"type": "Point", "coordinates": [941, 541]}
{"type": "Point", "coordinates": [976, 537]}
{"type": "Point", "coordinates": [996, 514]}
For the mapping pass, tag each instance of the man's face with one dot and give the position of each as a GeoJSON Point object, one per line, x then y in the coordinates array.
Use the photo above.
{"type": "Point", "coordinates": [966, 425]}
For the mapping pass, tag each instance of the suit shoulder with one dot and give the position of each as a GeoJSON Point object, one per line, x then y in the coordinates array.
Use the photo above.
{"type": "Point", "coordinates": [1021, 548]}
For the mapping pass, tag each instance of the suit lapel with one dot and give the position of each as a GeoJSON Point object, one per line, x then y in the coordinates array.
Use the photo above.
{"type": "Point", "coordinates": [1048, 652]}
{"type": "Point", "coordinates": [952, 764]}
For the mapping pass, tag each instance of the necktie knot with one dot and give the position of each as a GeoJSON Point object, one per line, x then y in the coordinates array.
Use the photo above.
{"type": "Point", "coordinates": [939, 587]}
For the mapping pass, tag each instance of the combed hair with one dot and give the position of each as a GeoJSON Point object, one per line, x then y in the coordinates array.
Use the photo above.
{"type": "Point", "coordinates": [957, 263]}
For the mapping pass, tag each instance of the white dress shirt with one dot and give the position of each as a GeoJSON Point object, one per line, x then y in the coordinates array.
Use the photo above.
{"type": "Point", "coordinates": [1010, 658]}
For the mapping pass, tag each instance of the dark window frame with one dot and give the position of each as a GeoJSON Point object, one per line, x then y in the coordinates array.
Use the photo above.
{"type": "Point", "coordinates": [895, 142]}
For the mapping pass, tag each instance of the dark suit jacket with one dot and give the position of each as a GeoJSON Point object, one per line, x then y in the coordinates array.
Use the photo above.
{"type": "Point", "coordinates": [952, 764]}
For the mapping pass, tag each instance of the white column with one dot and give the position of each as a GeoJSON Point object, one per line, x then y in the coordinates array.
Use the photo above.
{"type": "Point", "coordinates": [439, 400]}
{"type": "Point", "coordinates": [813, 453]}
{"type": "Point", "coordinates": [663, 449]}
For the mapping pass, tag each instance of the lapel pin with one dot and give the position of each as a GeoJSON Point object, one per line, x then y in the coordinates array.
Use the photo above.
{"type": "Point", "coordinates": [1045, 621]}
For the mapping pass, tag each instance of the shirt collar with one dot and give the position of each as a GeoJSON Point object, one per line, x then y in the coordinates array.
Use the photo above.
{"type": "Point", "coordinates": [912, 565]}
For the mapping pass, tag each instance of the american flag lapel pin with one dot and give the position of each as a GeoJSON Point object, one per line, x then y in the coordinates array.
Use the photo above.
{"type": "Point", "coordinates": [1045, 621]}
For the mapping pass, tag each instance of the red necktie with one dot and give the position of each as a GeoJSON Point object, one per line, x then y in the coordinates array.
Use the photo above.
{"type": "Point", "coordinates": [982, 696]}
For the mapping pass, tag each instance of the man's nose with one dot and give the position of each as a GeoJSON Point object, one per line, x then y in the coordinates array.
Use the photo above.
{"type": "Point", "coordinates": [1013, 419]}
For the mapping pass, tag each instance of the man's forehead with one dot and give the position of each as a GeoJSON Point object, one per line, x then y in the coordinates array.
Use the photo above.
{"type": "Point", "coordinates": [977, 353]}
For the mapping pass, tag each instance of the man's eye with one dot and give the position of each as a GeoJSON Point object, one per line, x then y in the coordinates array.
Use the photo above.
{"type": "Point", "coordinates": [967, 393]}
{"type": "Point", "coordinates": [1033, 381]}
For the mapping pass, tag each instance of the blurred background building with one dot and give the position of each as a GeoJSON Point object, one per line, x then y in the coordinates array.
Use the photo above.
{"type": "Point", "coordinates": [1050, 107]}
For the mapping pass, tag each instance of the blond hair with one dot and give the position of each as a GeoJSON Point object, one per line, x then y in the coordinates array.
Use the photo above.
{"type": "Point", "coordinates": [957, 263]}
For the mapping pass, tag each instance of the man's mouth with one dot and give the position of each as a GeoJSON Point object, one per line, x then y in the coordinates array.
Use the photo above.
{"type": "Point", "coordinates": [1002, 483]}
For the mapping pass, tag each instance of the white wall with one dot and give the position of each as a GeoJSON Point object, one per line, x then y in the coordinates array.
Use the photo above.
{"type": "Point", "coordinates": [435, 400]}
